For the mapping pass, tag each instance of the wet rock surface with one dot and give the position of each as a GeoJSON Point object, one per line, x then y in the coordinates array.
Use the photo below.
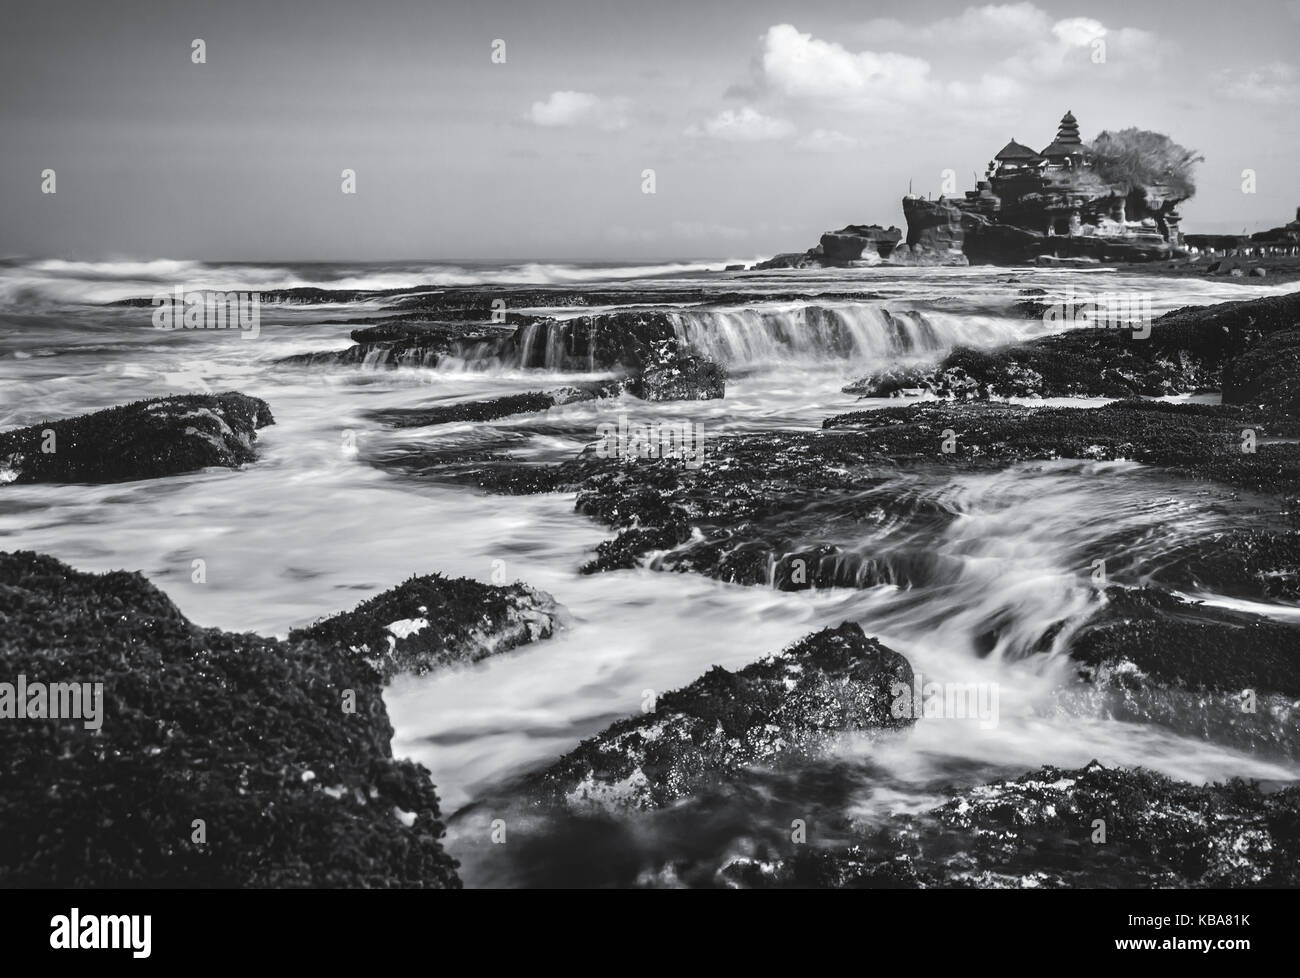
{"type": "Point", "coordinates": [1246, 348]}
{"type": "Point", "coordinates": [143, 440]}
{"type": "Point", "coordinates": [282, 749]}
{"type": "Point", "coordinates": [1041, 830]}
{"type": "Point", "coordinates": [641, 347]}
{"type": "Point", "coordinates": [529, 402]}
{"type": "Point", "coordinates": [405, 343]}
{"type": "Point", "coordinates": [1144, 635]}
{"type": "Point", "coordinates": [783, 706]}
{"type": "Point", "coordinates": [430, 622]}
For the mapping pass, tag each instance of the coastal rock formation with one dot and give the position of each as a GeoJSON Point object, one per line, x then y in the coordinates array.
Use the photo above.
{"type": "Point", "coordinates": [505, 406]}
{"type": "Point", "coordinates": [934, 231]}
{"type": "Point", "coordinates": [1154, 637]}
{"type": "Point", "coordinates": [427, 623]}
{"type": "Point", "coordinates": [791, 259]}
{"type": "Point", "coordinates": [668, 374]}
{"type": "Point", "coordinates": [220, 759]}
{"type": "Point", "coordinates": [1257, 564]}
{"type": "Point", "coordinates": [1247, 348]}
{"type": "Point", "coordinates": [859, 242]}
{"type": "Point", "coordinates": [1268, 373]}
{"type": "Point", "coordinates": [1038, 831]}
{"type": "Point", "coordinates": [1198, 441]}
{"type": "Point", "coordinates": [407, 343]}
{"type": "Point", "coordinates": [643, 346]}
{"type": "Point", "coordinates": [854, 245]}
{"type": "Point", "coordinates": [944, 231]}
{"type": "Point", "coordinates": [790, 704]}
{"type": "Point", "coordinates": [143, 440]}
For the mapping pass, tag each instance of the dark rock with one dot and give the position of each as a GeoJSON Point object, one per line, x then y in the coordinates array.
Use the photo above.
{"type": "Point", "coordinates": [1038, 831]}
{"type": "Point", "coordinates": [1179, 643]}
{"type": "Point", "coordinates": [426, 623]}
{"type": "Point", "coordinates": [933, 225]}
{"type": "Point", "coordinates": [497, 407]}
{"type": "Point", "coordinates": [143, 440]}
{"type": "Point", "coordinates": [1151, 431]}
{"type": "Point", "coordinates": [1186, 352]}
{"type": "Point", "coordinates": [787, 705]}
{"type": "Point", "coordinates": [407, 343]}
{"type": "Point", "coordinates": [1267, 374]}
{"type": "Point", "coordinates": [857, 242]}
{"type": "Point", "coordinates": [792, 259]}
{"type": "Point", "coordinates": [1258, 564]}
{"type": "Point", "coordinates": [669, 375]}
{"type": "Point", "coordinates": [249, 734]}
{"type": "Point", "coordinates": [602, 342]}
{"type": "Point", "coordinates": [893, 382]}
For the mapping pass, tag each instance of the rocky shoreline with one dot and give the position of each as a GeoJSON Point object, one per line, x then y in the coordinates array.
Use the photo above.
{"type": "Point", "coordinates": [300, 790]}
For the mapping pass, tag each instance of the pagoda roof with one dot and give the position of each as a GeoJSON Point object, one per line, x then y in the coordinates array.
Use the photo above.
{"type": "Point", "coordinates": [1060, 148]}
{"type": "Point", "coordinates": [1016, 151]}
{"type": "Point", "coordinates": [1067, 138]}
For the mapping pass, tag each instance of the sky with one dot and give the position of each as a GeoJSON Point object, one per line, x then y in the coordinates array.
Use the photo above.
{"type": "Point", "coordinates": [764, 123]}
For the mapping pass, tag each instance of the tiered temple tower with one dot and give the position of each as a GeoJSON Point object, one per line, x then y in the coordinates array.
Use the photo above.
{"type": "Point", "coordinates": [1066, 150]}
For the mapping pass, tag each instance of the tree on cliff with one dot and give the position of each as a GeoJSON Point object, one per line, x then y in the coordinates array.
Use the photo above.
{"type": "Point", "coordinates": [1136, 158]}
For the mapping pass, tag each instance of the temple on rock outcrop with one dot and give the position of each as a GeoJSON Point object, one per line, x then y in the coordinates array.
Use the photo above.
{"type": "Point", "coordinates": [1052, 201]}
{"type": "Point", "coordinates": [1055, 191]}
{"type": "Point", "coordinates": [1112, 201]}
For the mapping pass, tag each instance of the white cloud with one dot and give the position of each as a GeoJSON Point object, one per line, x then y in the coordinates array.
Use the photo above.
{"type": "Point", "coordinates": [827, 141]}
{"type": "Point", "coordinates": [1272, 84]}
{"type": "Point", "coordinates": [1034, 46]}
{"type": "Point", "coordinates": [581, 109]}
{"type": "Point", "coordinates": [797, 65]}
{"type": "Point", "coordinates": [1081, 43]}
{"type": "Point", "coordinates": [745, 125]}
{"type": "Point", "coordinates": [1008, 24]}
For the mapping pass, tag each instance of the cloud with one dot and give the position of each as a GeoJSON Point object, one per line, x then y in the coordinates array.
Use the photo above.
{"type": "Point", "coordinates": [1275, 83]}
{"type": "Point", "coordinates": [1040, 44]}
{"type": "Point", "coordinates": [745, 125]}
{"type": "Point", "coordinates": [801, 66]}
{"type": "Point", "coordinates": [1009, 24]}
{"type": "Point", "coordinates": [797, 65]}
{"type": "Point", "coordinates": [581, 109]}
{"type": "Point", "coordinates": [827, 141]}
{"type": "Point", "coordinates": [1081, 43]}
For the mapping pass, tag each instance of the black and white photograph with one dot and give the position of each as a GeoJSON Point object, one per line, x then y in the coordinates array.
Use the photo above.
{"type": "Point", "coordinates": [619, 445]}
